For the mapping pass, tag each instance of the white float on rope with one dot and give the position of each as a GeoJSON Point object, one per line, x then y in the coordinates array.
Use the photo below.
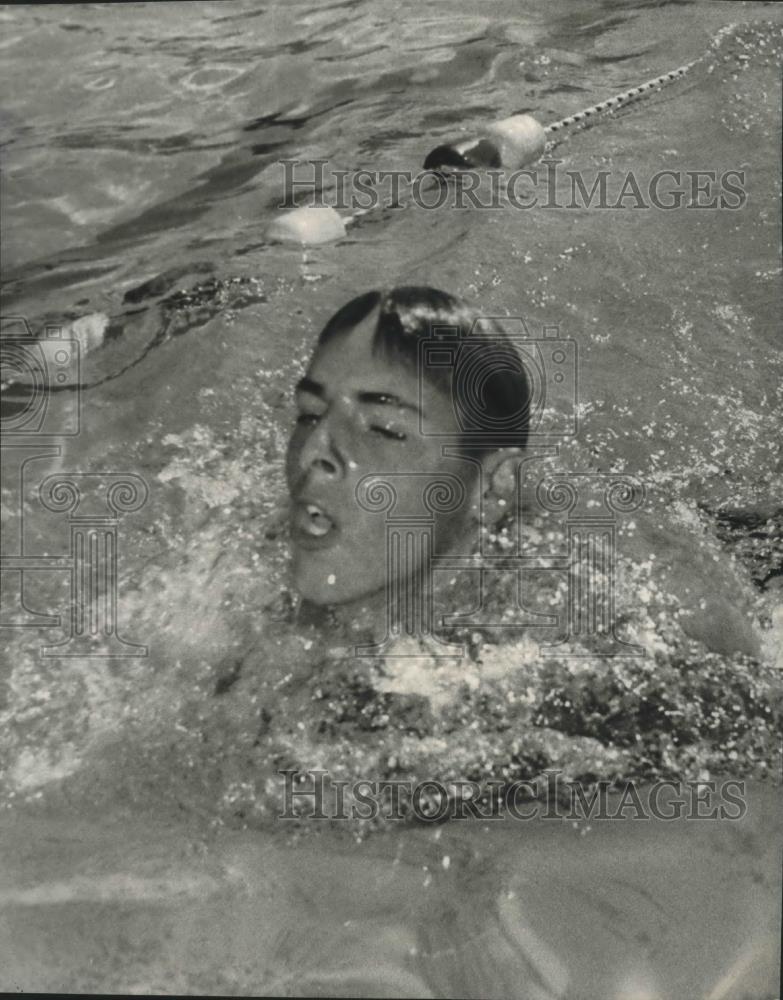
{"type": "Point", "coordinates": [309, 225]}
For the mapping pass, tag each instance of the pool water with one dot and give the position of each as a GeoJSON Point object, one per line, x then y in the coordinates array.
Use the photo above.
{"type": "Point", "coordinates": [141, 164]}
{"type": "Point", "coordinates": [542, 910]}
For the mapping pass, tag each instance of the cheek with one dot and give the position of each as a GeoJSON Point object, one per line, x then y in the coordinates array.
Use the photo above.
{"type": "Point", "coordinates": [293, 451]}
{"type": "Point", "coordinates": [363, 546]}
{"type": "Point", "coordinates": [456, 532]}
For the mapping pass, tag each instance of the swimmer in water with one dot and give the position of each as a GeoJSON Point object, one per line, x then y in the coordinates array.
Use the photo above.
{"type": "Point", "coordinates": [370, 404]}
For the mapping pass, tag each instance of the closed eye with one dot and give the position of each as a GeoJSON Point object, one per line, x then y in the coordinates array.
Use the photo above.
{"type": "Point", "coordinates": [388, 432]}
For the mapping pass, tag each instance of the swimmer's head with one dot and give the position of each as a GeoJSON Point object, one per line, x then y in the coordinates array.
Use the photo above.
{"type": "Point", "coordinates": [405, 388]}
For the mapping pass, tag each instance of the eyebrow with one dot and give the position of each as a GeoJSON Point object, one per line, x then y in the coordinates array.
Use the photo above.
{"type": "Point", "coordinates": [368, 398]}
{"type": "Point", "coordinates": [386, 399]}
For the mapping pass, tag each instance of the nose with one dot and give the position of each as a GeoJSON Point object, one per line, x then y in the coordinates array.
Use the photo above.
{"type": "Point", "coordinates": [320, 455]}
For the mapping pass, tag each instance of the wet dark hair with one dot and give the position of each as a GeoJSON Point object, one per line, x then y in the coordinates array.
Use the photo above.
{"type": "Point", "coordinates": [486, 380]}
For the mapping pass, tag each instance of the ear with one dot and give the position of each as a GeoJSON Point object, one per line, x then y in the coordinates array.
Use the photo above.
{"type": "Point", "coordinates": [492, 467]}
{"type": "Point", "coordinates": [493, 470]}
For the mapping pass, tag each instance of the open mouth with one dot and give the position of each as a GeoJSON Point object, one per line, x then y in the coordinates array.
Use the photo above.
{"type": "Point", "coordinates": [312, 526]}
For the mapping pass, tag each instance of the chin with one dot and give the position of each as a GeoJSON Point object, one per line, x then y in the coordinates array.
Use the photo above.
{"type": "Point", "coordinates": [316, 595]}
{"type": "Point", "coordinates": [311, 580]}
{"type": "Point", "coordinates": [324, 596]}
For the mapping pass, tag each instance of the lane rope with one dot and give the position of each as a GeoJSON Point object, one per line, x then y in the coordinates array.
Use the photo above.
{"type": "Point", "coordinates": [620, 100]}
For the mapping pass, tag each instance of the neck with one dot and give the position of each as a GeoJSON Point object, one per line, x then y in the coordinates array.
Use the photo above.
{"type": "Point", "coordinates": [367, 619]}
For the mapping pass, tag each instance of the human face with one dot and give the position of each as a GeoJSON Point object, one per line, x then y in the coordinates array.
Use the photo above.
{"type": "Point", "coordinates": [359, 414]}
